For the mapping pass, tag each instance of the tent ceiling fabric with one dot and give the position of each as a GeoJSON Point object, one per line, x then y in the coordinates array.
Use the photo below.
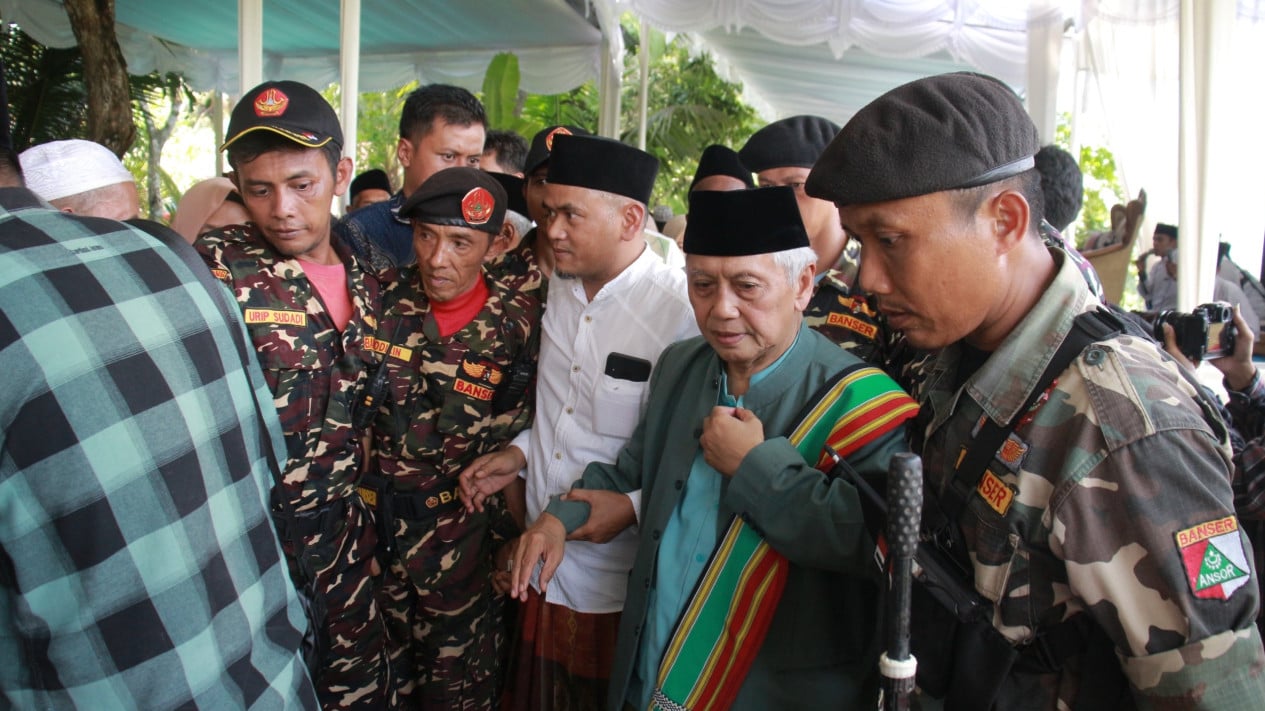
{"type": "Point", "coordinates": [401, 40]}
{"type": "Point", "coordinates": [831, 57]}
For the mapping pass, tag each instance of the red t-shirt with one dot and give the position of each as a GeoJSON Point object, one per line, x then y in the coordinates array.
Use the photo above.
{"type": "Point", "coordinates": [330, 281]}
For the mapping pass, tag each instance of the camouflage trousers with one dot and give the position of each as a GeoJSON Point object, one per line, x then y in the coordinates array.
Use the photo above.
{"type": "Point", "coordinates": [445, 623]}
{"type": "Point", "coordinates": [341, 545]}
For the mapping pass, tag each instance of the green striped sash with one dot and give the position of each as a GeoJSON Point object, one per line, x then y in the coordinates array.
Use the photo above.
{"type": "Point", "coordinates": [728, 615]}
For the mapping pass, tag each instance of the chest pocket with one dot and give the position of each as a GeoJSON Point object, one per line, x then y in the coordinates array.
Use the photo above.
{"type": "Point", "coordinates": [470, 392]}
{"type": "Point", "coordinates": [297, 371]}
{"type": "Point", "coordinates": [1000, 557]}
{"type": "Point", "coordinates": [617, 406]}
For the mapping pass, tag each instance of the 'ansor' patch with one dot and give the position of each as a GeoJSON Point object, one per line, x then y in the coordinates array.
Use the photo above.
{"type": "Point", "coordinates": [1213, 555]}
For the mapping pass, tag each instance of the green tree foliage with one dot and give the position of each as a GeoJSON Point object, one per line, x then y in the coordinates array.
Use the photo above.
{"type": "Point", "coordinates": [47, 97]}
{"type": "Point", "coordinates": [378, 128]}
{"type": "Point", "coordinates": [1102, 186]}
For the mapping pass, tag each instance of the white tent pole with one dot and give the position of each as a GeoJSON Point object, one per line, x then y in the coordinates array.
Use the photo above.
{"type": "Point", "coordinates": [250, 44]}
{"type": "Point", "coordinates": [217, 129]}
{"type": "Point", "coordinates": [643, 98]}
{"type": "Point", "coordinates": [1205, 29]}
{"type": "Point", "coordinates": [1045, 46]}
{"type": "Point", "coordinates": [349, 66]}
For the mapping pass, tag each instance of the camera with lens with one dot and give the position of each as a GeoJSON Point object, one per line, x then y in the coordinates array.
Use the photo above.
{"type": "Point", "coordinates": [1205, 333]}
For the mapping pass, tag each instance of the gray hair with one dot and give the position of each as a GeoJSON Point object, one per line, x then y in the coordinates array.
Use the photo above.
{"type": "Point", "coordinates": [520, 222]}
{"type": "Point", "coordinates": [794, 261]}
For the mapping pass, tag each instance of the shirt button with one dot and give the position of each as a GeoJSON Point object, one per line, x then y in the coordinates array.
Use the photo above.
{"type": "Point", "coordinates": [570, 410]}
{"type": "Point", "coordinates": [575, 369]}
{"type": "Point", "coordinates": [588, 318]}
{"type": "Point", "coordinates": [654, 535]}
{"type": "Point", "coordinates": [679, 484]}
{"type": "Point", "coordinates": [557, 455]}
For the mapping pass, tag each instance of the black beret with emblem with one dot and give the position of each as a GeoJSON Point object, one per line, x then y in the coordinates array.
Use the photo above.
{"type": "Point", "coordinates": [721, 160]}
{"type": "Point", "coordinates": [542, 145]}
{"type": "Point", "coordinates": [603, 164]}
{"type": "Point", "coordinates": [945, 132]}
{"type": "Point", "coordinates": [794, 142]}
{"type": "Point", "coordinates": [459, 197]}
{"type": "Point", "coordinates": [286, 108]}
{"type": "Point", "coordinates": [737, 223]}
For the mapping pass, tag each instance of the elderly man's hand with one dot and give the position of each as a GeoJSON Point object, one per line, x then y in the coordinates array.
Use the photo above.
{"type": "Point", "coordinates": [609, 513]}
{"type": "Point", "coordinates": [1237, 367]}
{"type": "Point", "coordinates": [543, 543]}
{"type": "Point", "coordinates": [728, 434]}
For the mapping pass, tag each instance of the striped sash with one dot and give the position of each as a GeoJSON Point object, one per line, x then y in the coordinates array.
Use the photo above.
{"type": "Point", "coordinates": [724, 624]}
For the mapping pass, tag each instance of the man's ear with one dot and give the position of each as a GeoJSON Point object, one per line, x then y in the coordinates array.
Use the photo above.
{"type": "Point", "coordinates": [501, 242]}
{"type": "Point", "coordinates": [632, 220]}
{"type": "Point", "coordinates": [404, 152]}
{"type": "Point", "coordinates": [804, 286]}
{"type": "Point", "coordinates": [1009, 214]}
{"type": "Point", "coordinates": [237, 183]}
{"type": "Point", "coordinates": [342, 175]}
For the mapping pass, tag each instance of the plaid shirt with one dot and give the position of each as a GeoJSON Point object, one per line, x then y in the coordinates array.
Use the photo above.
{"type": "Point", "coordinates": [138, 565]}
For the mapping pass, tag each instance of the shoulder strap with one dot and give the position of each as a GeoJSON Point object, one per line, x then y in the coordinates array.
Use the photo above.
{"type": "Point", "coordinates": [1089, 327]}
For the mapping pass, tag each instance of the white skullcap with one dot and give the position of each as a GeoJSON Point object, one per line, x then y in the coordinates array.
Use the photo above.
{"type": "Point", "coordinates": [62, 168]}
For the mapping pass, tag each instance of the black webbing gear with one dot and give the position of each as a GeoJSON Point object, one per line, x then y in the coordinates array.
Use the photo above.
{"type": "Point", "coordinates": [374, 389]}
{"type": "Point", "coordinates": [315, 642]}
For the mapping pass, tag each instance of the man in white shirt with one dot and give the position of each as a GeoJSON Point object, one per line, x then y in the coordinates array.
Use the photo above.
{"type": "Point", "coordinates": [613, 307]}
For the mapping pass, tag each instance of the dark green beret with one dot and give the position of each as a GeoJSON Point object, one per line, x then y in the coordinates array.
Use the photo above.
{"type": "Point", "coordinates": [794, 142]}
{"type": "Point", "coordinates": [459, 197]}
{"type": "Point", "coordinates": [542, 145]}
{"type": "Point", "coordinates": [603, 164]}
{"type": "Point", "coordinates": [721, 160]}
{"type": "Point", "coordinates": [736, 223]}
{"type": "Point", "coordinates": [944, 132]}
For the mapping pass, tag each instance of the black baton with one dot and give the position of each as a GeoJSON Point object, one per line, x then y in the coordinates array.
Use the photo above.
{"type": "Point", "coordinates": [904, 514]}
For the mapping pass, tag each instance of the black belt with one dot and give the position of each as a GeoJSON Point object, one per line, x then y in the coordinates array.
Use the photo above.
{"type": "Point", "coordinates": [411, 505]}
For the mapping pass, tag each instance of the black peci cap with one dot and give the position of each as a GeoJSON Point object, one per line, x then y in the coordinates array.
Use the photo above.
{"type": "Point", "coordinates": [287, 108]}
{"type": "Point", "coordinates": [721, 160]}
{"type": "Point", "coordinates": [373, 179]}
{"type": "Point", "coordinates": [738, 223]}
{"type": "Point", "coordinates": [945, 132]}
{"type": "Point", "coordinates": [603, 164]}
{"type": "Point", "coordinates": [542, 145]}
{"type": "Point", "coordinates": [794, 142]}
{"type": "Point", "coordinates": [459, 197]}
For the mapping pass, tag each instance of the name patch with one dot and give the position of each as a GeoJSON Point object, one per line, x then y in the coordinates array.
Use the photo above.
{"type": "Point", "coordinates": [993, 490]}
{"type": "Point", "coordinates": [851, 323]}
{"type": "Point", "coordinates": [379, 346]}
{"type": "Point", "coordinates": [277, 316]}
{"type": "Point", "coordinates": [1212, 553]}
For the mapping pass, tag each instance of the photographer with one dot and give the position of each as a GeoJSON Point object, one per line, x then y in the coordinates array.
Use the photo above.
{"type": "Point", "coordinates": [1246, 413]}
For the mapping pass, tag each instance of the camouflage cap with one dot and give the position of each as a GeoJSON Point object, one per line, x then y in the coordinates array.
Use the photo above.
{"type": "Point", "coordinates": [459, 197]}
{"type": "Point", "coordinates": [287, 108]}
{"type": "Point", "coordinates": [945, 132]}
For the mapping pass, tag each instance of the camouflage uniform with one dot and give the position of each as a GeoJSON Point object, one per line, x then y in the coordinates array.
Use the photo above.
{"type": "Point", "coordinates": [446, 624]}
{"type": "Point", "coordinates": [849, 320]}
{"type": "Point", "coordinates": [313, 372]}
{"type": "Point", "coordinates": [1103, 502]}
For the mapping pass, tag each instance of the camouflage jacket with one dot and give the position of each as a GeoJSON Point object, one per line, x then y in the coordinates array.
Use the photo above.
{"type": "Point", "coordinates": [1111, 498]}
{"type": "Point", "coordinates": [313, 370]}
{"type": "Point", "coordinates": [440, 414]}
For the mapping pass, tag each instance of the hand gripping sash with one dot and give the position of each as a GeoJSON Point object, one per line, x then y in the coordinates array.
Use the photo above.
{"type": "Point", "coordinates": [725, 621]}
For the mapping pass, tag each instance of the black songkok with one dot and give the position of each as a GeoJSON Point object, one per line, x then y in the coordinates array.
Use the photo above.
{"type": "Point", "coordinates": [737, 223]}
{"type": "Point", "coordinates": [721, 160]}
{"type": "Point", "coordinates": [603, 164]}
{"type": "Point", "coordinates": [542, 145]}
{"type": "Point", "coordinates": [374, 179]}
{"type": "Point", "coordinates": [794, 142]}
{"type": "Point", "coordinates": [944, 132]}
{"type": "Point", "coordinates": [459, 197]}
